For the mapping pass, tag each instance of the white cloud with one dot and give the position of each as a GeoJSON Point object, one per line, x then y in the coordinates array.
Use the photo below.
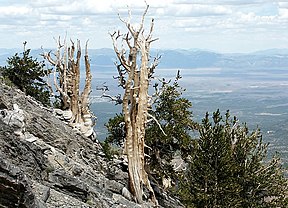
{"type": "Point", "coordinates": [15, 11]}
{"type": "Point", "coordinates": [41, 20]}
{"type": "Point", "coordinates": [50, 17]}
{"type": "Point", "coordinates": [193, 10]}
{"type": "Point", "coordinates": [283, 10]}
{"type": "Point", "coordinates": [283, 13]}
{"type": "Point", "coordinates": [252, 18]}
{"type": "Point", "coordinates": [87, 21]}
{"type": "Point", "coordinates": [222, 2]}
{"type": "Point", "coordinates": [283, 4]}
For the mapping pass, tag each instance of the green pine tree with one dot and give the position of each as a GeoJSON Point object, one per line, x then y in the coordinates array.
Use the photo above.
{"type": "Point", "coordinates": [27, 74]}
{"type": "Point", "coordinates": [172, 112]}
{"type": "Point", "coordinates": [116, 136]}
{"type": "Point", "coordinates": [228, 168]}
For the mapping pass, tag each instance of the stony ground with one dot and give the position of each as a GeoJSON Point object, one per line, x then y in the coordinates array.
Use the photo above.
{"type": "Point", "coordinates": [45, 163]}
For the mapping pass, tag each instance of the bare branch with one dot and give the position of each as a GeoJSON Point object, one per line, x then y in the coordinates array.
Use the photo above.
{"type": "Point", "coordinates": [151, 30]}
{"type": "Point", "coordinates": [48, 57]}
{"type": "Point", "coordinates": [127, 39]}
{"type": "Point", "coordinates": [72, 50]}
{"type": "Point", "coordinates": [116, 98]}
{"type": "Point", "coordinates": [121, 19]}
{"type": "Point", "coordinates": [135, 99]}
{"type": "Point", "coordinates": [121, 78]}
{"type": "Point", "coordinates": [143, 17]}
{"type": "Point", "coordinates": [118, 35]}
{"type": "Point", "coordinates": [145, 145]}
{"type": "Point", "coordinates": [56, 84]}
{"type": "Point", "coordinates": [78, 53]}
{"type": "Point", "coordinates": [87, 88]}
{"type": "Point", "coordinates": [104, 87]}
{"type": "Point", "coordinates": [152, 40]}
{"type": "Point", "coordinates": [120, 55]}
{"type": "Point", "coordinates": [153, 65]}
{"type": "Point", "coordinates": [157, 122]}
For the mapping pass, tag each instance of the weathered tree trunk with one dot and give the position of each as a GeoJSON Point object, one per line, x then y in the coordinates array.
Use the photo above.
{"type": "Point", "coordinates": [75, 80]}
{"type": "Point", "coordinates": [135, 101]}
{"type": "Point", "coordinates": [75, 106]}
{"type": "Point", "coordinates": [85, 110]}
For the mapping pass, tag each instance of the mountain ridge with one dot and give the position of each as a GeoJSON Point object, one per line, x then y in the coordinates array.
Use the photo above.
{"type": "Point", "coordinates": [182, 58]}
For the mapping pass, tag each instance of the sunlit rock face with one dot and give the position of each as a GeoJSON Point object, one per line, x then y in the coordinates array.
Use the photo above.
{"type": "Point", "coordinates": [44, 162]}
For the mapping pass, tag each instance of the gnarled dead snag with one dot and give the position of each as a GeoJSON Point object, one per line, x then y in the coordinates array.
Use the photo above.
{"type": "Point", "coordinates": [135, 81]}
{"type": "Point", "coordinates": [87, 90]}
{"type": "Point", "coordinates": [75, 106]}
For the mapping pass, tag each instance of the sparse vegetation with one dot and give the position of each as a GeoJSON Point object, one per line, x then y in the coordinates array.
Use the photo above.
{"type": "Point", "coordinates": [228, 168]}
{"type": "Point", "coordinates": [224, 164]}
{"type": "Point", "coordinates": [115, 137]}
{"type": "Point", "coordinates": [28, 74]}
{"type": "Point", "coordinates": [116, 130]}
{"type": "Point", "coordinates": [172, 112]}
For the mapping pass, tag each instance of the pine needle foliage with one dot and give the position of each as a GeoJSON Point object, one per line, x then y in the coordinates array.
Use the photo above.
{"type": "Point", "coordinates": [228, 168]}
{"type": "Point", "coordinates": [116, 136]}
{"type": "Point", "coordinates": [27, 74]}
{"type": "Point", "coordinates": [173, 112]}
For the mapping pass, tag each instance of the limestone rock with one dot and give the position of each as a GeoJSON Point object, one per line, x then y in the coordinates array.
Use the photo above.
{"type": "Point", "coordinates": [67, 115]}
{"type": "Point", "coordinates": [14, 118]}
{"type": "Point", "coordinates": [50, 165]}
{"type": "Point", "coordinates": [15, 187]}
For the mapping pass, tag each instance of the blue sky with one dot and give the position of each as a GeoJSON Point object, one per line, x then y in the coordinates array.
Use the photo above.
{"type": "Point", "coordinates": [218, 25]}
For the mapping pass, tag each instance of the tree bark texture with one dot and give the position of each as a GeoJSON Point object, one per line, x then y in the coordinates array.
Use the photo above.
{"type": "Point", "coordinates": [66, 62]}
{"type": "Point", "coordinates": [135, 81]}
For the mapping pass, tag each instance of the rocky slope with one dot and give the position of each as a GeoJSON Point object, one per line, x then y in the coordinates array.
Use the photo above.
{"type": "Point", "coordinates": [45, 163]}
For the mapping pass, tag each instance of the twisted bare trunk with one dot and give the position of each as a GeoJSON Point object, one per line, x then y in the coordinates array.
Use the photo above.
{"type": "Point", "coordinates": [74, 106]}
{"type": "Point", "coordinates": [135, 101]}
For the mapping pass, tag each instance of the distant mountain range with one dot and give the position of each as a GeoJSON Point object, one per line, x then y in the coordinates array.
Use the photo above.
{"type": "Point", "coordinates": [105, 58]}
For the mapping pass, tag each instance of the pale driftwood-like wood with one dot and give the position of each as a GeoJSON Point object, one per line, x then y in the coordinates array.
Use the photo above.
{"type": "Point", "coordinates": [66, 62]}
{"type": "Point", "coordinates": [135, 81]}
{"type": "Point", "coordinates": [86, 113]}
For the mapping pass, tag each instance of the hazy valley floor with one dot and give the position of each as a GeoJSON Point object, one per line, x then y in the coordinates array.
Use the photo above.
{"type": "Point", "coordinates": [257, 97]}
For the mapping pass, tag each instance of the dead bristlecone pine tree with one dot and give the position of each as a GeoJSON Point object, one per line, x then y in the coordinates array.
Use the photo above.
{"type": "Point", "coordinates": [135, 71]}
{"type": "Point", "coordinates": [74, 106]}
